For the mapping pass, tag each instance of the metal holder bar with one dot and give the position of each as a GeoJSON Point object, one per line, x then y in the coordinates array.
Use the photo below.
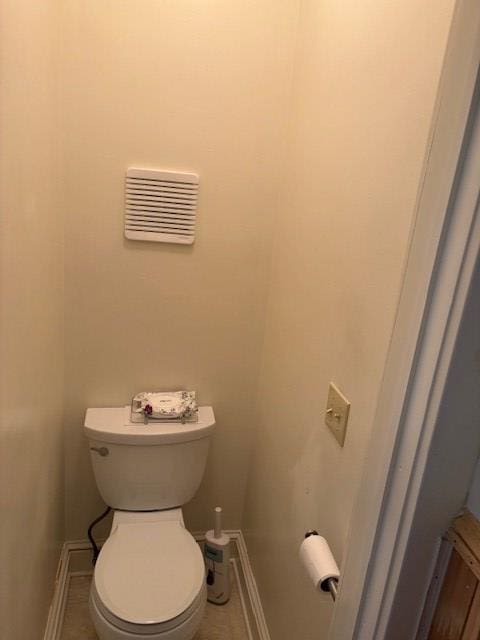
{"type": "Point", "coordinates": [331, 585]}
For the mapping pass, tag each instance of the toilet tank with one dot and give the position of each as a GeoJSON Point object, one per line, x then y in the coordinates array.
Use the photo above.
{"type": "Point", "coordinates": [141, 467]}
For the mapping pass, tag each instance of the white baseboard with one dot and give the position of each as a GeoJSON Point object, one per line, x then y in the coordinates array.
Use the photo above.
{"type": "Point", "coordinates": [57, 608]}
{"type": "Point", "coordinates": [250, 582]}
{"type": "Point", "coordinates": [252, 588]}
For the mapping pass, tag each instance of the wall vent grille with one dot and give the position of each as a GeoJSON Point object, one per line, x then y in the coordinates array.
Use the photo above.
{"type": "Point", "coordinates": [160, 206]}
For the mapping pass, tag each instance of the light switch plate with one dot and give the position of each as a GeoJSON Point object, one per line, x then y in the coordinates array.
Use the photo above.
{"type": "Point", "coordinates": [336, 413]}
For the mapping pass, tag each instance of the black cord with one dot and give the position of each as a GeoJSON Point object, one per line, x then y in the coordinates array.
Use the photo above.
{"type": "Point", "coordinates": [95, 549]}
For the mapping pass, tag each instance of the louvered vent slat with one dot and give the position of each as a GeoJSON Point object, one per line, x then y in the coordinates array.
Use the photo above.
{"type": "Point", "coordinates": [160, 206]}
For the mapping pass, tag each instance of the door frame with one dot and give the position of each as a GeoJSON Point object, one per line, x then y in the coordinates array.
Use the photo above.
{"type": "Point", "coordinates": [444, 246]}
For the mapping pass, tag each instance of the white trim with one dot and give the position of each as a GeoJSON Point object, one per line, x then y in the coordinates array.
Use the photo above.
{"type": "Point", "coordinates": [81, 545]}
{"type": "Point", "coordinates": [436, 582]}
{"type": "Point", "coordinates": [252, 588]}
{"type": "Point", "coordinates": [243, 604]}
{"type": "Point", "coordinates": [420, 414]}
{"type": "Point", "coordinates": [250, 582]}
{"type": "Point", "coordinates": [57, 609]}
{"type": "Point", "coordinates": [437, 276]}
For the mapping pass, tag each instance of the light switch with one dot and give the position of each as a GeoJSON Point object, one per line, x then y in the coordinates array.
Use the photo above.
{"type": "Point", "coordinates": [336, 413]}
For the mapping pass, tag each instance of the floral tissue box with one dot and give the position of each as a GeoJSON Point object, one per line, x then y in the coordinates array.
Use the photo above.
{"type": "Point", "coordinates": [164, 405]}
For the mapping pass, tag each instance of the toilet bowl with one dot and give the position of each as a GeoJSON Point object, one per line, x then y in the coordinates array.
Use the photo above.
{"type": "Point", "coordinates": [149, 580]}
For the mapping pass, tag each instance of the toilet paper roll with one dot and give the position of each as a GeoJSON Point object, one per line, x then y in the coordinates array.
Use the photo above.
{"type": "Point", "coordinates": [318, 560]}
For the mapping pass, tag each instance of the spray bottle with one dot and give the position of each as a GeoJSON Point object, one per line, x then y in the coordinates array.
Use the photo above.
{"type": "Point", "coordinates": [217, 562]}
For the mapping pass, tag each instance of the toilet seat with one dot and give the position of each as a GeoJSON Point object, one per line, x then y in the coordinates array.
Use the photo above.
{"type": "Point", "coordinates": [163, 630]}
{"type": "Point", "coordinates": [149, 577]}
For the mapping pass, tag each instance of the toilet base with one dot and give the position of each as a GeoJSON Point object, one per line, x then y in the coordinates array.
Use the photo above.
{"type": "Point", "coordinates": [107, 631]}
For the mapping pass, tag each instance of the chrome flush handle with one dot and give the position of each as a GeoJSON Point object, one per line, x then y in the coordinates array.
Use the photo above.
{"type": "Point", "coordinates": [103, 451]}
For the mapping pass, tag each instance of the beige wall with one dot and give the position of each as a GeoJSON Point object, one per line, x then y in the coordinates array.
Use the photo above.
{"type": "Point", "coordinates": [206, 87]}
{"type": "Point", "coordinates": [184, 85]}
{"type": "Point", "coordinates": [31, 318]}
{"type": "Point", "coordinates": [365, 81]}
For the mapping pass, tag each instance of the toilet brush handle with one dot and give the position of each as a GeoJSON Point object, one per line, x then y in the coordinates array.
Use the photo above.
{"type": "Point", "coordinates": [218, 522]}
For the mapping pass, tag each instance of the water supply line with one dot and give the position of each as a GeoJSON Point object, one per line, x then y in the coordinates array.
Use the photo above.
{"type": "Point", "coordinates": [95, 549]}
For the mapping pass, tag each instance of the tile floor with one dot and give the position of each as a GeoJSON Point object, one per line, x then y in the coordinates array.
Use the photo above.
{"type": "Point", "coordinates": [232, 621]}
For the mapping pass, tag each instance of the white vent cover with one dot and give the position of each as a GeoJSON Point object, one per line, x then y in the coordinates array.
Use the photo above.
{"type": "Point", "coordinates": [160, 206]}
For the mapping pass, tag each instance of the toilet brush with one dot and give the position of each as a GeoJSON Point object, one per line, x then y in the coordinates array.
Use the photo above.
{"type": "Point", "coordinates": [217, 562]}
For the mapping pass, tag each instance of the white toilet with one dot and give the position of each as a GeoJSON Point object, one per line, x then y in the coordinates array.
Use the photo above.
{"type": "Point", "coordinates": [149, 579]}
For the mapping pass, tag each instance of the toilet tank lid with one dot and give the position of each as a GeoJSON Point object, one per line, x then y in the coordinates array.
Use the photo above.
{"type": "Point", "coordinates": [112, 424]}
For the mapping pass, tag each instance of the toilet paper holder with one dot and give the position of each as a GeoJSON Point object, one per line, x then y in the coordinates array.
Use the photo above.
{"type": "Point", "coordinates": [329, 585]}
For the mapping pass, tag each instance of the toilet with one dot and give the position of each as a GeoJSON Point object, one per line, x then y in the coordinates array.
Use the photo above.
{"type": "Point", "coordinates": [149, 579]}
